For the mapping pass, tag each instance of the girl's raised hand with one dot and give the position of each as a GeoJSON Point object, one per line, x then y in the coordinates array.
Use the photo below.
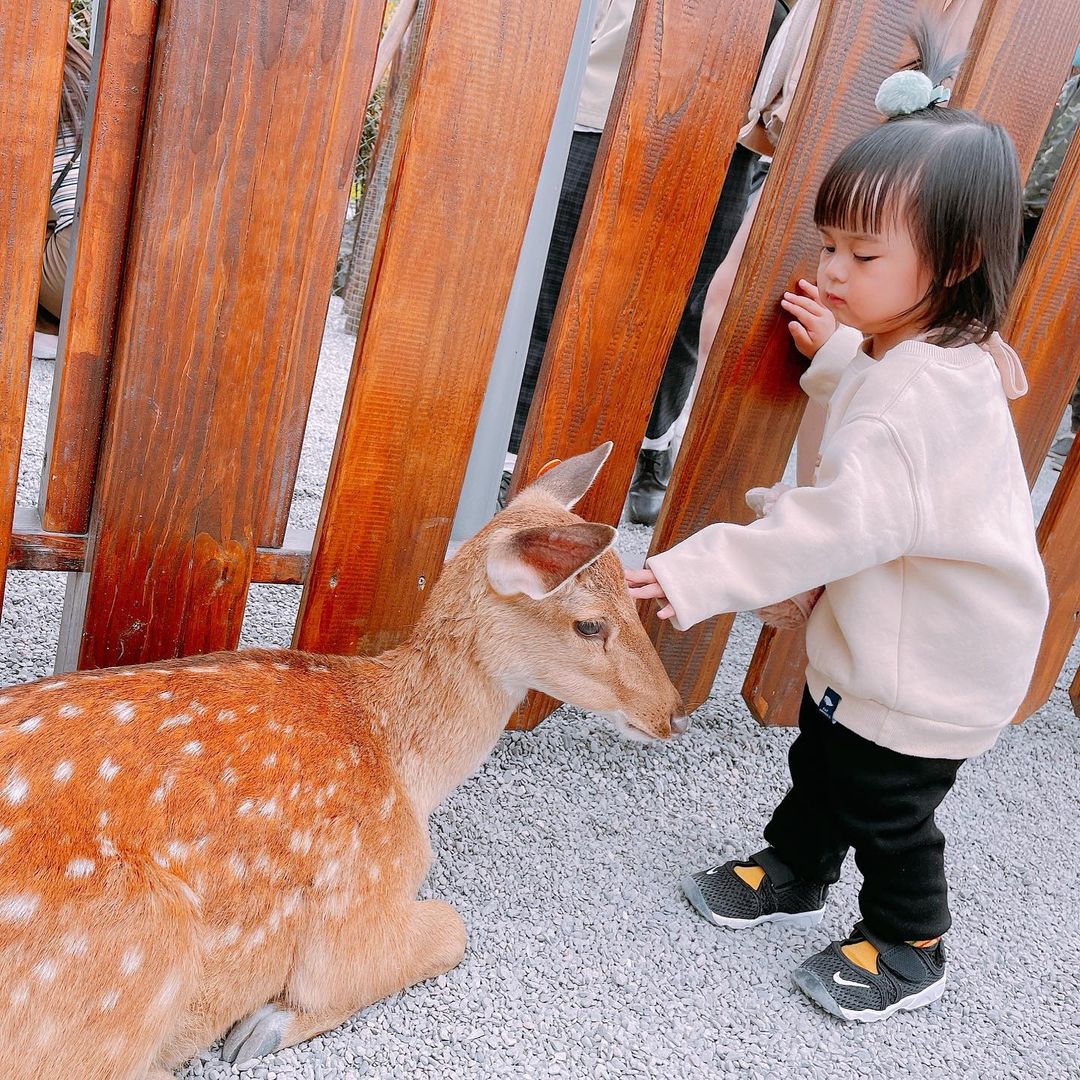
{"type": "Point", "coordinates": [813, 323]}
{"type": "Point", "coordinates": [644, 586]}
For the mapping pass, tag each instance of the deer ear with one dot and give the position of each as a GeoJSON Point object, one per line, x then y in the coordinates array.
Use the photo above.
{"type": "Point", "coordinates": [537, 561]}
{"type": "Point", "coordinates": [570, 479]}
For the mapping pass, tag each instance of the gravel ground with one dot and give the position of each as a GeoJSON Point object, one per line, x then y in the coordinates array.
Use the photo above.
{"type": "Point", "coordinates": [563, 857]}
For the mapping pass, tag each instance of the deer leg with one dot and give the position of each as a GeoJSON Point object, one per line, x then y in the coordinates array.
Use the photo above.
{"type": "Point", "coordinates": [430, 943]}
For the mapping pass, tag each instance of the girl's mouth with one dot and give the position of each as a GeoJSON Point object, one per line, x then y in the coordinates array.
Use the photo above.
{"type": "Point", "coordinates": [833, 299]}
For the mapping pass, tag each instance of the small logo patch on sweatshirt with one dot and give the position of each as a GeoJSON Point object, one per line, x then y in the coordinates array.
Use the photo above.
{"type": "Point", "coordinates": [828, 703]}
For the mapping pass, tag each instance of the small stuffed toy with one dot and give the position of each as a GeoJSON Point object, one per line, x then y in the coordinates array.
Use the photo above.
{"type": "Point", "coordinates": [787, 614]}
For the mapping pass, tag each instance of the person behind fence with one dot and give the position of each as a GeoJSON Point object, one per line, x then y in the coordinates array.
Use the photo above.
{"type": "Point", "coordinates": [918, 525]}
{"type": "Point", "coordinates": [65, 184]}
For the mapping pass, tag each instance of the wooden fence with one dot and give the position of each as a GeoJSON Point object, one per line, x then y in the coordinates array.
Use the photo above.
{"type": "Point", "coordinates": [220, 153]}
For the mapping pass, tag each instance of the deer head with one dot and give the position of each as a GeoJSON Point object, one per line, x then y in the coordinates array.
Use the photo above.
{"type": "Point", "coordinates": [566, 623]}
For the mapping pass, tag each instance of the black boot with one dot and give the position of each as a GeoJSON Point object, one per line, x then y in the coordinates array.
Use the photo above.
{"type": "Point", "coordinates": [649, 485]}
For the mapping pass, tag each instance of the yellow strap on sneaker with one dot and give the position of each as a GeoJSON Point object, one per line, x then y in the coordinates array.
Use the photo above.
{"type": "Point", "coordinates": [925, 944]}
{"type": "Point", "coordinates": [752, 875]}
{"type": "Point", "coordinates": [862, 954]}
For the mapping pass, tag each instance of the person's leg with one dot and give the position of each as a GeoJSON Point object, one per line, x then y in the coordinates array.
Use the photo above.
{"type": "Point", "coordinates": [575, 185]}
{"type": "Point", "coordinates": [885, 802]}
{"type": "Point", "coordinates": [54, 264]}
{"type": "Point", "coordinates": [803, 830]}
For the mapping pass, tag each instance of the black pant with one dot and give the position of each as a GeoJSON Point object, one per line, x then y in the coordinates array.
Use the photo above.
{"type": "Point", "coordinates": [849, 792]}
{"type": "Point", "coordinates": [681, 364]}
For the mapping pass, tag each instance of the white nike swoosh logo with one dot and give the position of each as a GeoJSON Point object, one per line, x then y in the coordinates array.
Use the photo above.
{"type": "Point", "coordinates": [841, 981]}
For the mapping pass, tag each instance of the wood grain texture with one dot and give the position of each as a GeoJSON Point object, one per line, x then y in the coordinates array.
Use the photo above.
{"type": "Point", "coordinates": [1015, 68]}
{"type": "Point", "coordinates": [749, 402]}
{"type": "Point", "coordinates": [473, 136]}
{"type": "Point", "coordinates": [111, 143]}
{"type": "Point", "coordinates": [1044, 326]}
{"type": "Point", "coordinates": [686, 78]}
{"type": "Point", "coordinates": [32, 42]}
{"type": "Point", "coordinates": [212, 313]}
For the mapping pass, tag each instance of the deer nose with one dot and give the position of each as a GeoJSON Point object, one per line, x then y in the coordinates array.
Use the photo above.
{"type": "Point", "coordinates": [680, 723]}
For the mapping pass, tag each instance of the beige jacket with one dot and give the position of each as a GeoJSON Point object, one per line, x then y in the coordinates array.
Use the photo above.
{"type": "Point", "coordinates": [919, 524]}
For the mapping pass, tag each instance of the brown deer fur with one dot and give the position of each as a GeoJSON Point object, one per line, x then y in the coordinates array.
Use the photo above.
{"type": "Point", "coordinates": [235, 841]}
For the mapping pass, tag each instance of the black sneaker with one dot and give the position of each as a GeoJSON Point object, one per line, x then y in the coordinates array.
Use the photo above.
{"type": "Point", "coordinates": [504, 489]}
{"type": "Point", "coordinates": [726, 900]}
{"type": "Point", "coordinates": [649, 486]}
{"type": "Point", "coordinates": [907, 978]}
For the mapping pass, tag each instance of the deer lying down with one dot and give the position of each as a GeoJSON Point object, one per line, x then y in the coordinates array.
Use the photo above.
{"type": "Point", "coordinates": [236, 841]}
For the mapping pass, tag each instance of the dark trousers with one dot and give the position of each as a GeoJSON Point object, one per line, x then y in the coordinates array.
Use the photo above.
{"type": "Point", "coordinates": [849, 792]}
{"type": "Point", "coordinates": [681, 364]}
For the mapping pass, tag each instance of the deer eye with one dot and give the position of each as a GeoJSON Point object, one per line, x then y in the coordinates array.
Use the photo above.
{"type": "Point", "coordinates": [591, 628]}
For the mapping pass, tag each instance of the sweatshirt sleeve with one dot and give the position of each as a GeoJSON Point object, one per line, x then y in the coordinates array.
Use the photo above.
{"type": "Point", "coordinates": [820, 379]}
{"type": "Point", "coordinates": [862, 513]}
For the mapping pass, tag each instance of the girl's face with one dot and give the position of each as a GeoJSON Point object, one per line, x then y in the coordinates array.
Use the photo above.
{"type": "Point", "coordinates": [871, 281]}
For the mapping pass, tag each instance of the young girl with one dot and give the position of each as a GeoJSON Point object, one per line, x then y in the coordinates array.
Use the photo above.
{"type": "Point", "coordinates": [918, 524]}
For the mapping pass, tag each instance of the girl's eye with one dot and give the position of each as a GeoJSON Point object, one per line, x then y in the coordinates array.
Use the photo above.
{"type": "Point", "coordinates": [589, 629]}
{"type": "Point", "coordinates": [865, 258]}
{"type": "Point", "coordinates": [827, 248]}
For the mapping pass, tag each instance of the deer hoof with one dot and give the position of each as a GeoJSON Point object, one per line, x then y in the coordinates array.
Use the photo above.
{"type": "Point", "coordinates": [260, 1033]}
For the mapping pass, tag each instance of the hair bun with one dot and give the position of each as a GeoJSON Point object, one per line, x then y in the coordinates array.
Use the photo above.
{"type": "Point", "coordinates": [906, 92]}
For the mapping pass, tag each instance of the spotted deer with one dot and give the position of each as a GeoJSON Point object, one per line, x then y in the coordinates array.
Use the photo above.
{"type": "Point", "coordinates": [234, 842]}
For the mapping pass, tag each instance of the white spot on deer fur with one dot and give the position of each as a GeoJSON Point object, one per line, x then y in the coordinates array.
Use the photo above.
{"type": "Point", "coordinates": [5, 835]}
{"type": "Point", "coordinates": [300, 842]}
{"type": "Point", "coordinates": [295, 790]}
{"type": "Point", "coordinates": [268, 808]}
{"type": "Point", "coordinates": [20, 995]}
{"type": "Point", "coordinates": [226, 716]}
{"type": "Point", "coordinates": [131, 961]}
{"type": "Point", "coordinates": [79, 868]}
{"type": "Point", "coordinates": [169, 989]}
{"type": "Point", "coordinates": [124, 711]}
{"type": "Point", "coordinates": [63, 772]}
{"type": "Point", "coordinates": [16, 787]}
{"type": "Point", "coordinates": [108, 770]}
{"type": "Point", "coordinates": [6, 699]}
{"type": "Point", "coordinates": [200, 844]}
{"type": "Point", "coordinates": [18, 907]}
{"type": "Point", "coordinates": [69, 710]}
{"type": "Point", "coordinates": [282, 667]}
{"type": "Point", "coordinates": [45, 687]}
{"type": "Point", "coordinates": [292, 901]}
{"type": "Point", "coordinates": [108, 1002]}
{"type": "Point", "coordinates": [161, 861]}
{"type": "Point", "coordinates": [270, 760]}
{"type": "Point", "coordinates": [237, 866]}
{"type": "Point", "coordinates": [193, 747]}
{"type": "Point", "coordinates": [166, 695]}
{"type": "Point", "coordinates": [163, 789]}
{"type": "Point", "coordinates": [246, 806]}
{"type": "Point", "coordinates": [198, 708]}
{"type": "Point", "coordinates": [256, 939]}
{"type": "Point", "coordinates": [328, 874]}
{"type": "Point", "coordinates": [31, 723]}
{"type": "Point", "coordinates": [230, 935]}
{"type": "Point", "coordinates": [374, 872]}
{"type": "Point", "coordinates": [318, 667]}
{"type": "Point", "coordinates": [253, 708]}
{"type": "Point", "coordinates": [330, 789]}
{"type": "Point", "coordinates": [177, 850]}
{"type": "Point", "coordinates": [106, 847]}
{"type": "Point", "coordinates": [77, 945]}
{"type": "Point", "coordinates": [103, 819]}
{"type": "Point", "coordinates": [175, 721]}
{"type": "Point", "coordinates": [204, 669]}
{"type": "Point", "coordinates": [262, 863]}
{"type": "Point", "coordinates": [387, 805]}
{"type": "Point", "coordinates": [45, 970]}
{"type": "Point", "coordinates": [229, 775]}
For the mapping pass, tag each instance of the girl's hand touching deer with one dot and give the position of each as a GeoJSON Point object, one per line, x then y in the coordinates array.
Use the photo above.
{"type": "Point", "coordinates": [813, 322]}
{"type": "Point", "coordinates": [644, 586]}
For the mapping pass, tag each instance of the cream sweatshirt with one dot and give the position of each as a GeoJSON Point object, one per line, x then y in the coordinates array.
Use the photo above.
{"type": "Point", "coordinates": [919, 524]}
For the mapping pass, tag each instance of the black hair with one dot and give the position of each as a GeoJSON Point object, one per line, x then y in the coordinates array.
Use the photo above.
{"type": "Point", "coordinates": [954, 180]}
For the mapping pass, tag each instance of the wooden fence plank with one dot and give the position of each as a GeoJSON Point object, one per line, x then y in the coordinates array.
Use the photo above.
{"type": "Point", "coordinates": [254, 108]}
{"type": "Point", "coordinates": [110, 157]}
{"type": "Point", "coordinates": [474, 132]}
{"type": "Point", "coordinates": [749, 401]}
{"type": "Point", "coordinates": [1017, 63]}
{"type": "Point", "coordinates": [685, 81]}
{"type": "Point", "coordinates": [32, 43]}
